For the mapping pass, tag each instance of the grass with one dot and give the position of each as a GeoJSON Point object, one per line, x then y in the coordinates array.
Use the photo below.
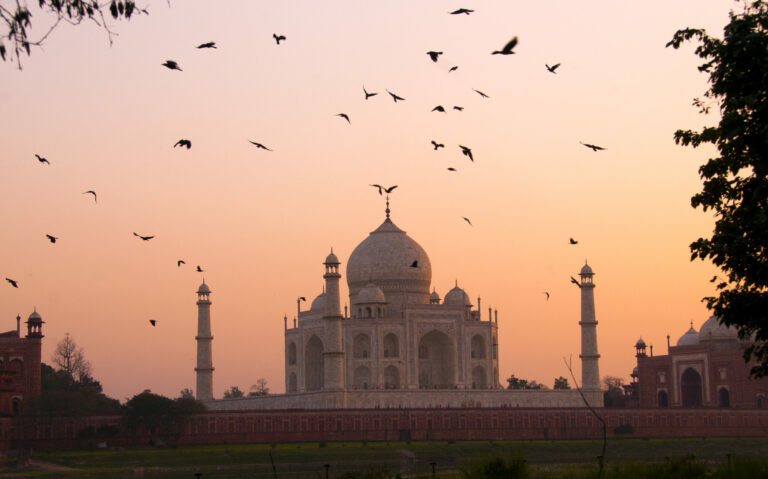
{"type": "Point", "coordinates": [651, 458]}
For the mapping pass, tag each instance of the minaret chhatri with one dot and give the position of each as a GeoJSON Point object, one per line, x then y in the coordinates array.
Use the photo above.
{"type": "Point", "coordinates": [204, 369]}
{"type": "Point", "coordinates": [333, 356]}
{"type": "Point", "coordinates": [590, 372]}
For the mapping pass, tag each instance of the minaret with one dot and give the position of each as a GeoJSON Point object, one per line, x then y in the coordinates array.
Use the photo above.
{"type": "Point", "coordinates": [333, 355]}
{"type": "Point", "coordinates": [204, 369]}
{"type": "Point", "coordinates": [590, 373]}
{"type": "Point", "coordinates": [35, 338]}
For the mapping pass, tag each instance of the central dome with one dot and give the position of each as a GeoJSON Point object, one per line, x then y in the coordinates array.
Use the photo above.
{"type": "Point", "coordinates": [391, 260]}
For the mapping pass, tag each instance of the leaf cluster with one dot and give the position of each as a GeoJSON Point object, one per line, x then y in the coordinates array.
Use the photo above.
{"type": "Point", "coordinates": [158, 414]}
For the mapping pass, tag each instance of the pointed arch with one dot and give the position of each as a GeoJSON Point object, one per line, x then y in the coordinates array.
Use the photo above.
{"type": "Point", "coordinates": [314, 367]}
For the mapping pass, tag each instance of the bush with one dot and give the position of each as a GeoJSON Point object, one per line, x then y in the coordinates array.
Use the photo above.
{"type": "Point", "coordinates": [496, 468]}
{"type": "Point", "coordinates": [624, 429]}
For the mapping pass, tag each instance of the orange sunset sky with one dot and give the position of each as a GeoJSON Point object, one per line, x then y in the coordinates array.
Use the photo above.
{"type": "Point", "coordinates": [260, 223]}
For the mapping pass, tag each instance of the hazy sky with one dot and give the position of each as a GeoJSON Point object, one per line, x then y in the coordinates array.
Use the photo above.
{"type": "Point", "coordinates": [260, 223]}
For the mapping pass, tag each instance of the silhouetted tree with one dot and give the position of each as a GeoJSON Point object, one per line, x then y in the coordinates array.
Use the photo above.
{"type": "Point", "coordinates": [187, 393]}
{"type": "Point", "coordinates": [614, 392]}
{"type": "Point", "coordinates": [158, 415]}
{"type": "Point", "coordinates": [70, 359]}
{"type": "Point", "coordinates": [233, 392]}
{"type": "Point", "coordinates": [736, 182]}
{"type": "Point", "coordinates": [561, 383]}
{"type": "Point", "coordinates": [60, 396]}
{"type": "Point", "coordinates": [517, 383]}
{"type": "Point", "coordinates": [260, 388]}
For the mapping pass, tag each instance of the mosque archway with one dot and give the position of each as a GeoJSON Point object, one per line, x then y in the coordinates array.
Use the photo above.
{"type": "Point", "coordinates": [361, 348]}
{"type": "Point", "coordinates": [723, 398]}
{"type": "Point", "coordinates": [663, 399]}
{"type": "Point", "coordinates": [477, 347]}
{"type": "Point", "coordinates": [314, 367]}
{"type": "Point", "coordinates": [292, 385]}
{"type": "Point", "coordinates": [479, 378]}
{"type": "Point", "coordinates": [362, 377]}
{"type": "Point", "coordinates": [391, 378]}
{"type": "Point", "coordinates": [690, 388]}
{"type": "Point", "coordinates": [436, 361]}
{"type": "Point", "coordinates": [292, 354]}
{"type": "Point", "coordinates": [391, 346]}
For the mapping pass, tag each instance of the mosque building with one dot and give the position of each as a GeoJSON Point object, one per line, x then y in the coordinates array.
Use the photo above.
{"type": "Point", "coordinates": [398, 344]}
{"type": "Point", "coordinates": [20, 358]}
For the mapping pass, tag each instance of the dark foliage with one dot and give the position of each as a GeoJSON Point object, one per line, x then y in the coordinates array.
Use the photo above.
{"type": "Point", "coordinates": [61, 396]}
{"type": "Point", "coordinates": [159, 415]}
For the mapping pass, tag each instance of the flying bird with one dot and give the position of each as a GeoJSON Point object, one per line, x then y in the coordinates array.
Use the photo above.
{"type": "Point", "coordinates": [480, 93]}
{"type": "Point", "coordinates": [13, 282]}
{"type": "Point", "coordinates": [144, 238]}
{"type": "Point", "coordinates": [592, 147]}
{"type": "Point", "coordinates": [466, 152]}
{"type": "Point", "coordinates": [42, 160]}
{"type": "Point", "coordinates": [171, 65]}
{"type": "Point", "coordinates": [207, 45]}
{"type": "Point", "coordinates": [574, 281]}
{"type": "Point", "coordinates": [199, 269]}
{"type": "Point", "coordinates": [386, 190]}
{"type": "Point", "coordinates": [395, 97]}
{"type": "Point", "coordinates": [453, 68]}
{"type": "Point", "coordinates": [439, 108]}
{"type": "Point", "coordinates": [467, 220]}
{"type": "Point", "coordinates": [433, 55]}
{"type": "Point", "coordinates": [552, 68]}
{"type": "Point", "coordinates": [345, 116]}
{"type": "Point", "coordinates": [437, 145]}
{"type": "Point", "coordinates": [572, 241]}
{"type": "Point", "coordinates": [182, 143]}
{"type": "Point", "coordinates": [450, 168]}
{"type": "Point", "coordinates": [458, 108]}
{"type": "Point", "coordinates": [368, 94]}
{"type": "Point", "coordinates": [180, 262]}
{"type": "Point", "coordinates": [547, 295]}
{"type": "Point", "coordinates": [507, 50]}
{"type": "Point", "coordinates": [259, 145]}
{"type": "Point", "coordinates": [52, 239]}
{"type": "Point", "coordinates": [415, 264]}
{"type": "Point", "coordinates": [465, 11]}
{"type": "Point", "coordinates": [278, 38]}
{"type": "Point", "coordinates": [152, 322]}
{"type": "Point", "coordinates": [91, 192]}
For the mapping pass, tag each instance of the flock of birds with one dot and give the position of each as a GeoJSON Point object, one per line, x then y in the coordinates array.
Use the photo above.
{"type": "Point", "coordinates": [507, 49]}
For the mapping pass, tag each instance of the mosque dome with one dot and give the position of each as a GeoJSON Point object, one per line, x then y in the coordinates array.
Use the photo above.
{"type": "Point", "coordinates": [35, 316]}
{"type": "Point", "coordinates": [712, 329]}
{"type": "Point", "coordinates": [319, 303]}
{"type": "Point", "coordinates": [640, 343]}
{"type": "Point", "coordinates": [331, 259]}
{"type": "Point", "coordinates": [370, 294]}
{"type": "Point", "coordinates": [586, 270]}
{"type": "Point", "coordinates": [389, 258]}
{"type": "Point", "coordinates": [203, 288]}
{"type": "Point", "coordinates": [434, 297]}
{"type": "Point", "coordinates": [457, 297]}
{"type": "Point", "coordinates": [690, 338]}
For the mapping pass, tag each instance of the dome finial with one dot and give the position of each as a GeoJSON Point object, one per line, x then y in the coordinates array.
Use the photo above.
{"type": "Point", "coordinates": [387, 210]}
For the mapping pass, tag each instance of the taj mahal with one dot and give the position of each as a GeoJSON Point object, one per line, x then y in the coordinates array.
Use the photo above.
{"type": "Point", "coordinates": [398, 344]}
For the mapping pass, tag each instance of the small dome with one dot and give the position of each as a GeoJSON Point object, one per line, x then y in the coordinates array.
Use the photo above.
{"type": "Point", "coordinates": [331, 258]}
{"type": "Point", "coordinates": [203, 288]}
{"type": "Point", "coordinates": [640, 343]}
{"type": "Point", "coordinates": [585, 270]}
{"type": "Point", "coordinates": [35, 316]}
{"type": "Point", "coordinates": [634, 371]}
{"type": "Point", "coordinates": [712, 329]}
{"type": "Point", "coordinates": [434, 296]}
{"type": "Point", "coordinates": [319, 303]}
{"type": "Point", "coordinates": [370, 294]}
{"type": "Point", "coordinates": [457, 297]}
{"type": "Point", "coordinates": [690, 338]}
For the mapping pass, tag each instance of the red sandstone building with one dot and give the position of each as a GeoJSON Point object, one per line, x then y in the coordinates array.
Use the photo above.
{"type": "Point", "coordinates": [705, 369]}
{"type": "Point", "coordinates": [20, 364]}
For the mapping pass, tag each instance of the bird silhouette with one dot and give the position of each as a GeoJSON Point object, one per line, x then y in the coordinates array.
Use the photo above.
{"type": "Point", "coordinates": [415, 264]}
{"type": "Point", "coordinates": [52, 239]}
{"type": "Point", "coordinates": [278, 38]}
{"type": "Point", "coordinates": [384, 189]}
{"type": "Point", "coordinates": [259, 145]}
{"type": "Point", "coordinates": [152, 322]}
{"type": "Point", "coordinates": [171, 65]}
{"type": "Point", "coordinates": [592, 147]}
{"type": "Point", "coordinates": [207, 45]}
{"type": "Point", "coordinates": [551, 69]}
{"type": "Point", "coordinates": [199, 269]}
{"type": "Point", "coordinates": [395, 97]}
{"type": "Point", "coordinates": [574, 281]}
{"type": "Point", "coordinates": [547, 295]}
{"type": "Point", "coordinates": [480, 93]}
{"type": "Point", "coordinates": [433, 55]}
{"type": "Point", "coordinates": [572, 241]}
{"type": "Point", "coordinates": [450, 168]}
{"type": "Point", "coordinates": [458, 108]}
{"type": "Point", "coordinates": [467, 152]}
{"type": "Point", "coordinates": [42, 160]}
{"type": "Point", "coordinates": [13, 282]}
{"type": "Point", "coordinates": [437, 145]}
{"type": "Point", "coordinates": [182, 143]}
{"type": "Point", "coordinates": [180, 262]}
{"type": "Point", "coordinates": [465, 11]}
{"type": "Point", "coordinates": [507, 50]}
{"type": "Point", "coordinates": [453, 68]}
{"type": "Point", "coordinates": [144, 238]}
{"type": "Point", "coordinates": [439, 108]}
{"type": "Point", "coordinates": [467, 220]}
{"type": "Point", "coordinates": [369, 94]}
{"type": "Point", "coordinates": [345, 116]}
{"type": "Point", "coordinates": [91, 192]}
